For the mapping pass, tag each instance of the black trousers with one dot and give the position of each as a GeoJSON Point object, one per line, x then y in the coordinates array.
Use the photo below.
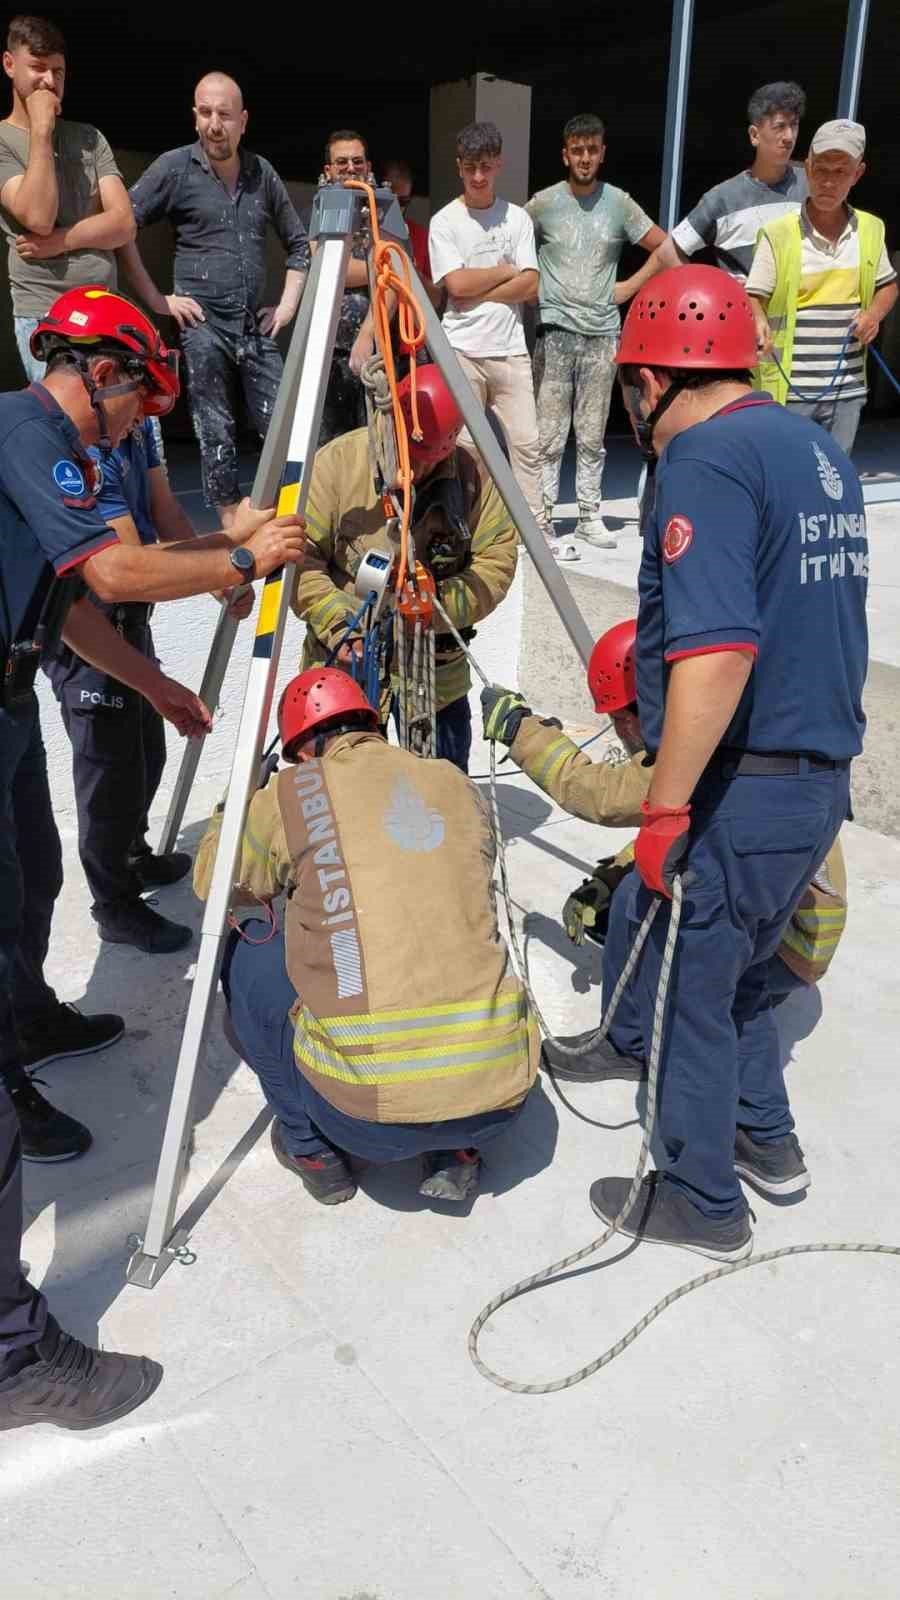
{"type": "Point", "coordinates": [225, 360]}
{"type": "Point", "coordinates": [345, 400]}
{"type": "Point", "coordinates": [118, 756]}
{"type": "Point", "coordinates": [23, 1311]}
{"type": "Point", "coordinates": [30, 880]}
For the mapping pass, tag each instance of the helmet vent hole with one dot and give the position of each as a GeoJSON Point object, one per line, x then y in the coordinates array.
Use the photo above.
{"type": "Point", "coordinates": [721, 316]}
{"type": "Point", "coordinates": [692, 305]}
{"type": "Point", "coordinates": [686, 349]}
{"type": "Point", "coordinates": [682, 316]}
{"type": "Point", "coordinates": [699, 316]}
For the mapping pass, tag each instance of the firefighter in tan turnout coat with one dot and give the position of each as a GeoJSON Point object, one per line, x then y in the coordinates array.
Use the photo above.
{"type": "Point", "coordinates": [383, 1018]}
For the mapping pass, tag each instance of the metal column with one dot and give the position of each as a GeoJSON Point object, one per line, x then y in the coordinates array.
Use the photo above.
{"type": "Point", "coordinates": [676, 111]}
{"type": "Point", "coordinates": [854, 49]}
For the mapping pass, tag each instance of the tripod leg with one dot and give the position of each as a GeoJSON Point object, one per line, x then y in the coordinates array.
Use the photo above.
{"type": "Point", "coordinates": [159, 1248]}
{"type": "Point", "coordinates": [477, 423]}
{"type": "Point", "coordinates": [265, 488]}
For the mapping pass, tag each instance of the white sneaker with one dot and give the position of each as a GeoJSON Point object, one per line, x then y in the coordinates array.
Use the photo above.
{"type": "Point", "coordinates": [593, 531]}
{"type": "Point", "coordinates": [563, 550]}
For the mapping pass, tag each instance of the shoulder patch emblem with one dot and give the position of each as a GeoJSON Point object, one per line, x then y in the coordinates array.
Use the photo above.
{"type": "Point", "coordinates": [677, 539]}
{"type": "Point", "coordinates": [69, 478]}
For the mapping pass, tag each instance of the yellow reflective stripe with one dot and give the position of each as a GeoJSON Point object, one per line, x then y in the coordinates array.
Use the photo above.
{"type": "Point", "coordinates": [372, 1030]}
{"type": "Point", "coordinates": [331, 608]}
{"type": "Point", "coordinates": [796, 939]}
{"type": "Point", "coordinates": [810, 917]}
{"type": "Point", "coordinates": [268, 608]}
{"type": "Point", "coordinates": [460, 1069]}
{"type": "Point", "coordinates": [484, 536]}
{"type": "Point", "coordinates": [557, 752]}
{"type": "Point", "coordinates": [447, 1008]}
{"type": "Point", "coordinates": [288, 500]}
{"type": "Point", "coordinates": [254, 845]}
{"type": "Point", "coordinates": [457, 600]}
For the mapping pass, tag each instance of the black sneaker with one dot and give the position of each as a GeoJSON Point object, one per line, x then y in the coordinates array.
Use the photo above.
{"type": "Point", "coordinates": [134, 922]}
{"type": "Point", "coordinates": [326, 1177]}
{"type": "Point", "coordinates": [451, 1175]}
{"type": "Point", "coordinates": [72, 1386]}
{"type": "Point", "coordinates": [601, 1062]}
{"type": "Point", "coordinates": [157, 872]}
{"type": "Point", "coordinates": [47, 1134]}
{"type": "Point", "coordinates": [776, 1170]}
{"type": "Point", "coordinates": [66, 1031]}
{"type": "Point", "coordinates": [663, 1214]}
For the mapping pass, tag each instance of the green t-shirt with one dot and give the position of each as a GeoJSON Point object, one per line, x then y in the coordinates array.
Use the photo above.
{"type": "Point", "coordinates": [579, 242]}
{"type": "Point", "coordinates": [83, 157]}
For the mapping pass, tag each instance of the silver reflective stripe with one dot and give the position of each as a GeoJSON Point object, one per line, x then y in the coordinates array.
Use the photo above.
{"type": "Point", "coordinates": [363, 1029]}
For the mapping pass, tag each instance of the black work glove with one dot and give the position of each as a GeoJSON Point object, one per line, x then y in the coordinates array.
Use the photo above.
{"type": "Point", "coordinates": [585, 914]}
{"type": "Point", "coordinates": [502, 711]}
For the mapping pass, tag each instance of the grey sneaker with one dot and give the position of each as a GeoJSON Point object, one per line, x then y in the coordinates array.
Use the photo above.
{"type": "Point", "coordinates": [600, 1063]}
{"type": "Point", "coordinates": [663, 1214]}
{"type": "Point", "coordinates": [593, 530]}
{"type": "Point", "coordinates": [776, 1169]}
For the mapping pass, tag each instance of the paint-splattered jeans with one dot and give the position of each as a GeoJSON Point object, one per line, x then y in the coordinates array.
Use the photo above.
{"type": "Point", "coordinates": [573, 379]}
{"type": "Point", "coordinates": [222, 361]}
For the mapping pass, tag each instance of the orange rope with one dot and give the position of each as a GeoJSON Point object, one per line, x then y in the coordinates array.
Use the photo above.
{"type": "Point", "coordinates": [411, 327]}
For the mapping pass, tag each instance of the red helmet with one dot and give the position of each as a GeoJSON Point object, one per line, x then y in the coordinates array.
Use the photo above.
{"type": "Point", "coordinates": [95, 321]}
{"type": "Point", "coordinates": [318, 696]}
{"type": "Point", "coordinates": [611, 668]}
{"type": "Point", "coordinates": [439, 416]}
{"type": "Point", "coordinates": [690, 317]}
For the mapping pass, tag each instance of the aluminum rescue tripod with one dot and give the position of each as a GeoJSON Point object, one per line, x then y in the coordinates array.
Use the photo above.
{"type": "Point", "coordinates": [285, 467]}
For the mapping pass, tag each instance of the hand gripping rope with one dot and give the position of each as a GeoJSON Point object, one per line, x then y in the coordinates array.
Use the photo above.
{"type": "Point", "coordinates": [550, 1274]}
{"type": "Point", "coordinates": [815, 399]}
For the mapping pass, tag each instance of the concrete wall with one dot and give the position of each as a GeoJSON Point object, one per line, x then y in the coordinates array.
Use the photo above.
{"type": "Point", "coordinates": [552, 679]}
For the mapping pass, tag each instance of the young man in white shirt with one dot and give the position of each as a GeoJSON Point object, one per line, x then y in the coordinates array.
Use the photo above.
{"type": "Point", "coordinates": [483, 253]}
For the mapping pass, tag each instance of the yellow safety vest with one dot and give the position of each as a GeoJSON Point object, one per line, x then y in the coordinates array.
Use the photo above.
{"type": "Point", "coordinates": [785, 238]}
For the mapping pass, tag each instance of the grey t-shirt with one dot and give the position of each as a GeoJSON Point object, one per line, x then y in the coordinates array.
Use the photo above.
{"type": "Point", "coordinates": [579, 242]}
{"type": "Point", "coordinates": [728, 218]}
{"type": "Point", "coordinates": [83, 157]}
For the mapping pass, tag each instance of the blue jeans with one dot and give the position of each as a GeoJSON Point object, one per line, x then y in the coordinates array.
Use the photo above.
{"type": "Point", "coordinates": [30, 880]}
{"type": "Point", "coordinates": [259, 994]}
{"type": "Point", "coordinates": [24, 328]}
{"type": "Point", "coordinates": [454, 732]}
{"type": "Point", "coordinates": [755, 844]}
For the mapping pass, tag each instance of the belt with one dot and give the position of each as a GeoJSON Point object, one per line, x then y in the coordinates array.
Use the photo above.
{"type": "Point", "coordinates": [752, 764]}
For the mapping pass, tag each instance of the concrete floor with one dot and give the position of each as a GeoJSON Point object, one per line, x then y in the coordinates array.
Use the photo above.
{"type": "Point", "coordinates": [320, 1433]}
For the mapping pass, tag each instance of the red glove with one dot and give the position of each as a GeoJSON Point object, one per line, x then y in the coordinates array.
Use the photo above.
{"type": "Point", "coordinates": [661, 845]}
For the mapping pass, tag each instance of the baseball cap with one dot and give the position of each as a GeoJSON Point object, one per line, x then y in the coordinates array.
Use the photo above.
{"type": "Point", "coordinates": [850, 137]}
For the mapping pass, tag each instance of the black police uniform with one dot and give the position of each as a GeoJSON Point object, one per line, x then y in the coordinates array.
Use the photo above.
{"type": "Point", "coordinates": [49, 525]}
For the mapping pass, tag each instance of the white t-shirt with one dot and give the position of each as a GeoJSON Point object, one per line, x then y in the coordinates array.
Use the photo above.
{"type": "Point", "coordinates": [500, 234]}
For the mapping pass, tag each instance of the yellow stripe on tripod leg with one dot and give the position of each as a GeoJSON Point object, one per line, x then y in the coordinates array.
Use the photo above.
{"type": "Point", "coordinates": [268, 610]}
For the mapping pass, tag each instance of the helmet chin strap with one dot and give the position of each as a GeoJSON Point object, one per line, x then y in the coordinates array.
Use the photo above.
{"type": "Point", "coordinates": [644, 426]}
{"type": "Point", "coordinates": [112, 392]}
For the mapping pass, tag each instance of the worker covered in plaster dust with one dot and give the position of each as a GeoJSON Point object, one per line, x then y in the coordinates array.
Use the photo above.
{"type": "Point", "coordinates": [463, 534]}
{"type": "Point", "coordinates": [612, 795]}
{"type": "Point", "coordinates": [382, 1018]}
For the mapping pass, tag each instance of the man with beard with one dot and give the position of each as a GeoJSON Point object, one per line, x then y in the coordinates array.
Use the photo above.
{"type": "Point", "coordinates": [221, 200]}
{"type": "Point", "coordinates": [581, 227]}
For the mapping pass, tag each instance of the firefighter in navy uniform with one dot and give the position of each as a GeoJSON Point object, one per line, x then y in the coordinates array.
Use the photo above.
{"type": "Point", "coordinates": [106, 363]}
{"type": "Point", "coordinates": [754, 564]}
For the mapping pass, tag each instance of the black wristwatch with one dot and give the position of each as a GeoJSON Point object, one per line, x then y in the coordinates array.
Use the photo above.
{"type": "Point", "coordinates": [244, 562]}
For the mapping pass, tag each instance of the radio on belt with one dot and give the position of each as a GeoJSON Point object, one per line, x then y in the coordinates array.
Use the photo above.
{"type": "Point", "coordinates": [372, 578]}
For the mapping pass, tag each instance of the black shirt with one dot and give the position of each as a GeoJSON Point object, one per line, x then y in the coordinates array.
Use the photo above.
{"type": "Point", "coordinates": [219, 237]}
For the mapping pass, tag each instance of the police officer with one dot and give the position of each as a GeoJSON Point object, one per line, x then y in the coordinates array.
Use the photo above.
{"type": "Point", "coordinates": [106, 363]}
{"type": "Point", "coordinates": [754, 564]}
{"type": "Point", "coordinates": [118, 738]}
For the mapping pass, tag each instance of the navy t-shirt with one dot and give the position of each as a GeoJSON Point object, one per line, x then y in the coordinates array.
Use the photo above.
{"type": "Point", "coordinates": [49, 521]}
{"type": "Point", "coordinates": [124, 487]}
{"type": "Point", "coordinates": [758, 538]}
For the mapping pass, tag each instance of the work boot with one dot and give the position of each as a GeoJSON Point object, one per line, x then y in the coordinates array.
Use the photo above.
{"type": "Point", "coordinates": [451, 1175]}
{"type": "Point", "coordinates": [663, 1214]}
{"type": "Point", "coordinates": [47, 1134]}
{"type": "Point", "coordinates": [158, 872]}
{"type": "Point", "coordinates": [134, 922]}
{"type": "Point", "coordinates": [776, 1169]}
{"type": "Point", "coordinates": [66, 1031]}
{"type": "Point", "coordinates": [593, 530]}
{"type": "Point", "coordinates": [601, 1062]}
{"type": "Point", "coordinates": [326, 1176]}
{"type": "Point", "coordinates": [72, 1386]}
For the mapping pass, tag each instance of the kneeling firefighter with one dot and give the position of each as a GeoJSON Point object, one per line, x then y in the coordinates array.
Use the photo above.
{"type": "Point", "coordinates": [612, 795]}
{"type": "Point", "coordinates": [378, 1028]}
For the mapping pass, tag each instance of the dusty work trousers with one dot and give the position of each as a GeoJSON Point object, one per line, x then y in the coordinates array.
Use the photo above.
{"type": "Point", "coordinates": [755, 844]}
{"type": "Point", "coordinates": [838, 417]}
{"type": "Point", "coordinates": [260, 994]}
{"type": "Point", "coordinates": [30, 880]}
{"type": "Point", "coordinates": [224, 360]}
{"type": "Point", "coordinates": [23, 1311]}
{"type": "Point", "coordinates": [506, 385]}
{"type": "Point", "coordinates": [573, 382]}
{"type": "Point", "coordinates": [118, 757]}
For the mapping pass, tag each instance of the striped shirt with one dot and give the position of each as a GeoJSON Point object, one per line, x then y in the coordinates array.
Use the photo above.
{"type": "Point", "coordinates": [827, 304]}
{"type": "Point", "coordinates": [728, 218]}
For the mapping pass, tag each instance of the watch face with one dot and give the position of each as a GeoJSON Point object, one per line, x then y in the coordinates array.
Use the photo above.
{"type": "Point", "coordinates": [242, 559]}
